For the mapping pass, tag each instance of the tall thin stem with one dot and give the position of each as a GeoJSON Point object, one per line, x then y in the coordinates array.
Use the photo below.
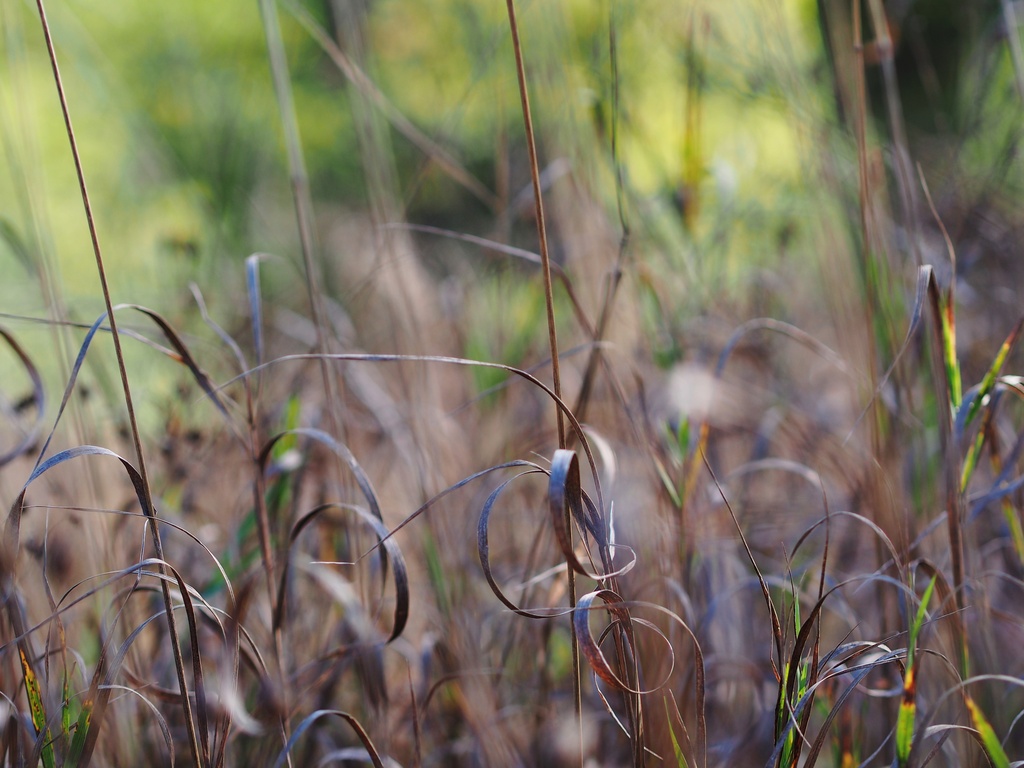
{"type": "Point", "coordinates": [150, 509]}
{"type": "Point", "coordinates": [556, 379]}
{"type": "Point", "coordinates": [542, 232]}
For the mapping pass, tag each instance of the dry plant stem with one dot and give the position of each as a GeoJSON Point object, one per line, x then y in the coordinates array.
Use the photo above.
{"type": "Point", "coordinates": [556, 380]}
{"type": "Point", "coordinates": [869, 238]}
{"type": "Point", "coordinates": [904, 174]}
{"type": "Point", "coordinates": [136, 438]}
{"type": "Point", "coordinates": [300, 192]}
{"type": "Point", "coordinates": [304, 216]}
{"type": "Point", "coordinates": [542, 234]}
{"type": "Point", "coordinates": [865, 198]}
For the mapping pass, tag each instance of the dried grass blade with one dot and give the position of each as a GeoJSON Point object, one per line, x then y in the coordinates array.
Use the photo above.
{"type": "Point", "coordinates": [339, 449]}
{"type": "Point", "coordinates": [785, 329]}
{"type": "Point", "coordinates": [538, 202]}
{"type": "Point", "coordinates": [311, 719]}
{"type": "Point", "coordinates": [180, 354]}
{"type": "Point", "coordinates": [765, 593]}
{"type": "Point", "coordinates": [96, 699]}
{"type": "Point", "coordinates": [185, 356]}
{"type": "Point", "coordinates": [623, 623]}
{"type": "Point", "coordinates": [925, 279]}
{"type": "Point", "coordinates": [590, 648]}
{"type": "Point", "coordinates": [389, 546]}
{"type": "Point", "coordinates": [37, 400]}
{"type": "Point", "coordinates": [565, 503]}
{"type": "Point", "coordinates": [484, 550]}
{"type": "Point", "coordinates": [12, 536]}
{"type": "Point", "coordinates": [458, 361]}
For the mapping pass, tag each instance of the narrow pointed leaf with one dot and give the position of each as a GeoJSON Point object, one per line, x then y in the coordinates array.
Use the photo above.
{"type": "Point", "coordinates": [36, 708]}
{"type": "Point", "coordinates": [989, 740]}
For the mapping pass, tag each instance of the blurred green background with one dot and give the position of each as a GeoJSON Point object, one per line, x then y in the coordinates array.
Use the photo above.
{"type": "Point", "coordinates": [175, 114]}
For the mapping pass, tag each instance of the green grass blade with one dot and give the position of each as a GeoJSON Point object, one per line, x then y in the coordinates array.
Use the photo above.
{"type": "Point", "coordinates": [989, 740]}
{"type": "Point", "coordinates": [908, 705]}
{"type": "Point", "coordinates": [81, 734]}
{"type": "Point", "coordinates": [915, 628]}
{"type": "Point", "coordinates": [676, 749]}
{"type": "Point", "coordinates": [1016, 531]}
{"type": "Point", "coordinates": [988, 382]}
{"type": "Point", "coordinates": [971, 460]}
{"type": "Point", "coordinates": [949, 358]}
{"type": "Point", "coordinates": [36, 708]}
{"type": "Point", "coordinates": [669, 485]}
{"type": "Point", "coordinates": [65, 715]}
{"type": "Point", "coordinates": [905, 719]}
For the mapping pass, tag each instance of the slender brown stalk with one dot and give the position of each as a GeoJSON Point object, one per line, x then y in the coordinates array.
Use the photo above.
{"type": "Point", "coordinates": [904, 172]}
{"type": "Point", "coordinates": [556, 379]}
{"type": "Point", "coordinates": [150, 510]}
{"type": "Point", "coordinates": [542, 233]}
{"type": "Point", "coordinates": [861, 131]}
{"type": "Point", "coordinates": [307, 242]}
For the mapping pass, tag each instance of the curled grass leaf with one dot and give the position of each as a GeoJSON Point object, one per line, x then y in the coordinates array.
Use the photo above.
{"type": "Point", "coordinates": [390, 546]}
{"type": "Point", "coordinates": [310, 720]}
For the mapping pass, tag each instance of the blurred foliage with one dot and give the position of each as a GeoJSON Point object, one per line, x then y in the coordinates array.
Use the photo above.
{"type": "Point", "coordinates": [735, 142]}
{"type": "Point", "coordinates": [176, 117]}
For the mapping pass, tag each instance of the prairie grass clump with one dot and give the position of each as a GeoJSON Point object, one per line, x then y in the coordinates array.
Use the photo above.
{"type": "Point", "coordinates": [579, 431]}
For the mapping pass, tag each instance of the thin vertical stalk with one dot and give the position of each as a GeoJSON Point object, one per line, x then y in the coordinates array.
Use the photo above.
{"type": "Point", "coordinates": [901, 151]}
{"type": "Point", "coordinates": [556, 379]}
{"type": "Point", "coordinates": [299, 179]}
{"type": "Point", "coordinates": [542, 232]}
{"type": "Point", "coordinates": [150, 509]}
